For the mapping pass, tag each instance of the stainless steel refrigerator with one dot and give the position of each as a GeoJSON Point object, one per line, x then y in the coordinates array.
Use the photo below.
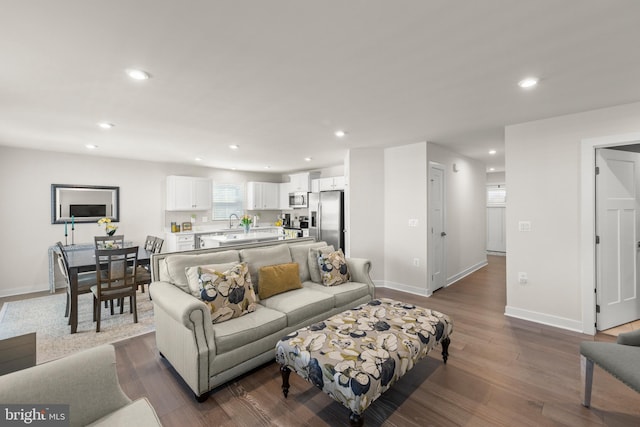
{"type": "Point", "coordinates": [326, 217]}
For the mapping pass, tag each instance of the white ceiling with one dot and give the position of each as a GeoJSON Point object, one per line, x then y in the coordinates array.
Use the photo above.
{"type": "Point", "coordinates": [279, 77]}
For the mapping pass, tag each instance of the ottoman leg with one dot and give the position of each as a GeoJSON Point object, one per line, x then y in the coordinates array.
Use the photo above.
{"type": "Point", "coordinates": [356, 420]}
{"type": "Point", "coordinates": [285, 372]}
{"type": "Point", "coordinates": [445, 349]}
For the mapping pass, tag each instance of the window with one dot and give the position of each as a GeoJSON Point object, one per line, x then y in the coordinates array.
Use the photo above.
{"type": "Point", "coordinates": [227, 199]}
{"type": "Point", "coordinates": [496, 195]}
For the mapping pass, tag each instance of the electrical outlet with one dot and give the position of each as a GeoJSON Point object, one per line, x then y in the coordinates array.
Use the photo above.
{"type": "Point", "coordinates": [524, 226]}
{"type": "Point", "coordinates": [413, 223]}
{"type": "Point", "coordinates": [416, 262]}
{"type": "Point", "coordinates": [523, 279]}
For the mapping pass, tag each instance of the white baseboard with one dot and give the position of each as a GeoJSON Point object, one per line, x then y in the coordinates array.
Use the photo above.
{"type": "Point", "coordinates": [23, 290]}
{"type": "Point", "coordinates": [545, 319]}
{"type": "Point", "coordinates": [464, 273]}
{"type": "Point", "coordinates": [401, 287]}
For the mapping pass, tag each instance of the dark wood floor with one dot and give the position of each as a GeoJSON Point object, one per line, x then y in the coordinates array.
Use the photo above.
{"type": "Point", "coordinates": [501, 372]}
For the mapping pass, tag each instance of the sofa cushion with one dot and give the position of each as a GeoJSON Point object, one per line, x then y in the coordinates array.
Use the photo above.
{"type": "Point", "coordinates": [276, 279]}
{"type": "Point", "coordinates": [247, 329]}
{"type": "Point", "coordinates": [300, 304]}
{"type": "Point", "coordinates": [300, 254]}
{"type": "Point", "coordinates": [259, 257]}
{"type": "Point", "coordinates": [312, 261]}
{"type": "Point", "coordinates": [228, 294]}
{"type": "Point", "coordinates": [333, 268]}
{"type": "Point", "coordinates": [176, 265]}
{"type": "Point", "coordinates": [194, 274]}
{"type": "Point", "coordinates": [343, 294]}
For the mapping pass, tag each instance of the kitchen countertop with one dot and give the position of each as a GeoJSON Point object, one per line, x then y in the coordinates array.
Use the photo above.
{"type": "Point", "coordinates": [211, 240]}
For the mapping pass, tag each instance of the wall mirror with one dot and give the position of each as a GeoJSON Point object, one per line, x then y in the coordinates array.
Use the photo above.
{"type": "Point", "coordinates": [84, 203]}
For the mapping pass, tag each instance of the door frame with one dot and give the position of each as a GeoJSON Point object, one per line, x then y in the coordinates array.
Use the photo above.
{"type": "Point", "coordinates": [588, 221]}
{"type": "Point", "coordinates": [430, 242]}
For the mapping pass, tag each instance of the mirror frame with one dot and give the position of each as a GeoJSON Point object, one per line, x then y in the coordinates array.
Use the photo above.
{"type": "Point", "coordinates": [59, 219]}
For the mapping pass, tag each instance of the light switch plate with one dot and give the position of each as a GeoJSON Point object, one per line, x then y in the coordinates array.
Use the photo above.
{"type": "Point", "coordinates": [524, 226]}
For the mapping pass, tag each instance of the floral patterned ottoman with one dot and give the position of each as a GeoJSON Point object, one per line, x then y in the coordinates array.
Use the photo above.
{"type": "Point", "coordinates": [355, 356]}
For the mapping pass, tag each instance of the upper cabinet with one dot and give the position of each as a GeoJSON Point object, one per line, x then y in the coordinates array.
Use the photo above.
{"type": "Point", "coordinates": [328, 184]}
{"type": "Point", "coordinates": [284, 195]}
{"type": "Point", "coordinates": [263, 196]}
{"type": "Point", "coordinates": [186, 193]}
{"type": "Point", "coordinates": [299, 182]}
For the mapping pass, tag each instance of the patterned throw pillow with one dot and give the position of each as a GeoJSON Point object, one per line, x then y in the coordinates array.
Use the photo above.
{"type": "Point", "coordinates": [312, 261]}
{"type": "Point", "coordinates": [229, 294]}
{"type": "Point", "coordinates": [333, 268]}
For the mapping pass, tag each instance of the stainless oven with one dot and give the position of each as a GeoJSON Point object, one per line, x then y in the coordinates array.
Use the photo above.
{"type": "Point", "coordinates": [298, 199]}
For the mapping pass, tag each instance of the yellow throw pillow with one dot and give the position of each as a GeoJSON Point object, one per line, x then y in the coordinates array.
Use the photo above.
{"type": "Point", "coordinates": [279, 278]}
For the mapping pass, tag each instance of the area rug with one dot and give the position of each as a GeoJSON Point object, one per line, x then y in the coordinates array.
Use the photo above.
{"type": "Point", "coordinates": [45, 317]}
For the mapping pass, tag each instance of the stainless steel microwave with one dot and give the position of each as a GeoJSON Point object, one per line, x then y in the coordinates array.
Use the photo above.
{"type": "Point", "coordinates": [298, 200]}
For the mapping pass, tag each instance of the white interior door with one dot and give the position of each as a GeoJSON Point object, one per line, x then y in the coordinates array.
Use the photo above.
{"type": "Point", "coordinates": [437, 259]}
{"type": "Point", "coordinates": [496, 230]}
{"type": "Point", "coordinates": [617, 234]}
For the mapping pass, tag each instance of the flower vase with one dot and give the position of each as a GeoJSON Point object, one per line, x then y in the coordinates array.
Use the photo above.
{"type": "Point", "coordinates": [246, 228]}
{"type": "Point", "coordinates": [111, 232]}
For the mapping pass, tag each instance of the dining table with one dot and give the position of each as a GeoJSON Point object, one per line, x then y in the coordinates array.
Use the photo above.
{"type": "Point", "coordinates": [82, 260]}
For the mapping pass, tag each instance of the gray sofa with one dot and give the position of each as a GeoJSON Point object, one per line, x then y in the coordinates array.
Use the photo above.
{"type": "Point", "coordinates": [207, 355]}
{"type": "Point", "coordinates": [86, 381]}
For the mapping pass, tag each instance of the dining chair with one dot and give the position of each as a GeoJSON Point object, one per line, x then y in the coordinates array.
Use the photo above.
{"type": "Point", "coordinates": [85, 280]}
{"type": "Point", "coordinates": [109, 242]}
{"type": "Point", "coordinates": [149, 243]}
{"type": "Point", "coordinates": [143, 277]}
{"type": "Point", "coordinates": [116, 279]}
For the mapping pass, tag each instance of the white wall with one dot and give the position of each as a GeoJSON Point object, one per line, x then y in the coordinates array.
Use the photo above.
{"type": "Point", "coordinates": [466, 214]}
{"type": "Point", "coordinates": [405, 189]}
{"type": "Point", "coordinates": [544, 179]}
{"type": "Point", "coordinates": [25, 212]}
{"type": "Point", "coordinates": [496, 178]}
{"type": "Point", "coordinates": [365, 200]}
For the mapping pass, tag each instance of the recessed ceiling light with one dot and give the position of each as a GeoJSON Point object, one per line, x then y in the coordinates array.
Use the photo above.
{"type": "Point", "coordinates": [340, 133]}
{"type": "Point", "coordinates": [307, 159]}
{"type": "Point", "coordinates": [91, 146]}
{"type": "Point", "coordinates": [106, 125]}
{"type": "Point", "coordinates": [492, 169]}
{"type": "Point", "coordinates": [492, 152]}
{"type": "Point", "coordinates": [527, 83]}
{"type": "Point", "coordinates": [137, 74]}
{"type": "Point", "coordinates": [234, 146]}
{"type": "Point", "coordinates": [234, 169]}
{"type": "Point", "coordinates": [267, 167]}
{"type": "Point", "coordinates": [198, 159]}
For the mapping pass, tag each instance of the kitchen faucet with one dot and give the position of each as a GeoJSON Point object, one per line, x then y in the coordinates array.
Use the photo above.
{"type": "Point", "coordinates": [230, 218]}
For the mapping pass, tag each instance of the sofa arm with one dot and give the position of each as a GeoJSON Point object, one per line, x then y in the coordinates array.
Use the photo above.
{"type": "Point", "coordinates": [359, 269]}
{"type": "Point", "coordinates": [87, 381]}
{"type": "Point", "coordinates": [630, 338]}
{"type": "Point", "coordinates": [180, 305]}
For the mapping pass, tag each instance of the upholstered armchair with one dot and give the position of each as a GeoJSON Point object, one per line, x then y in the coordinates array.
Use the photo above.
{"type": "Point", "coordinates": [621, 359]}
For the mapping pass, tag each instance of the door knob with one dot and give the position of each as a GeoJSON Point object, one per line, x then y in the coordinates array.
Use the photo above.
{"type": "Point", "coordinates": [443, 234]}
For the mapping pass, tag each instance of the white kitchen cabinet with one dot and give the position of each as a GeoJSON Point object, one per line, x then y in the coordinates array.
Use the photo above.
{"type": "Point", "coordinates": [186, 193]}
{"type": "Point", "coordinates": [180, 242]}
{"type": "Point", "coordinates": [284, 195]}
{"type": "Point", "coordinates": [299, 182]}
{"type": "Point", "coordinates": [331, 183]}
{"type": "Point", "coordinates": [263, 196]}
{"type": "Point", "coordinates": [315, 185]}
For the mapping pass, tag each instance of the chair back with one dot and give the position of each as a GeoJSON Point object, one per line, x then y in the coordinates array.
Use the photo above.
{"type": "Point", "coordinates": [109, 242]}
{"type": "Point", "coordinates": [157, 246]}
{"type": "Point", "coordinates": [116, 270]}
{"type": "Point", "coordinates": [63, 262]}
{"type": "Point", "coordinates": [149, 243]}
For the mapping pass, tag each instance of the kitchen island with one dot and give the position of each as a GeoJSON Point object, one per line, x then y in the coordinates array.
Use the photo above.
{"type": "Point", "coordinates": [214, 241]}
